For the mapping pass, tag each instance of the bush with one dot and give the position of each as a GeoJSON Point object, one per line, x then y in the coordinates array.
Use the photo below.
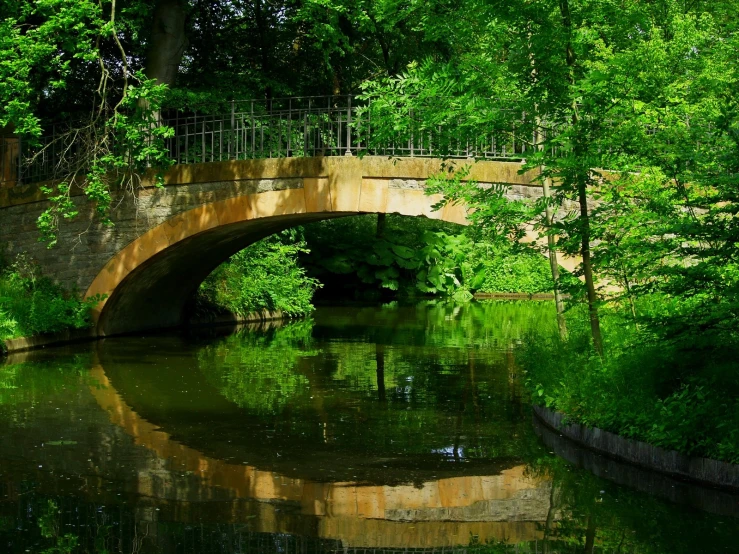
{"type": "Point", "coordinates": [677, 395]}
{"type": "Point", "coordinates": [31, 304]}
{"type": "Point", "coordinates": [264, 276]}
{"type": "Point", "coordinates": [412, 255]}
{"type": "Point", "coordinates": [504, 269]}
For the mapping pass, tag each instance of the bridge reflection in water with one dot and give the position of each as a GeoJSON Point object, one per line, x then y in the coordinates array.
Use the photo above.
{"type": "Point", "coordinates": [510, 507]}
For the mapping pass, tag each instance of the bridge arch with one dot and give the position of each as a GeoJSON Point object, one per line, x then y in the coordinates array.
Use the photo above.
{"type": "Point", "coordinates": [148, 282]}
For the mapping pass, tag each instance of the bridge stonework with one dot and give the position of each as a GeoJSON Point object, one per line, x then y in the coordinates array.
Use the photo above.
{"type": "Point", "coordinates": [166, 240]}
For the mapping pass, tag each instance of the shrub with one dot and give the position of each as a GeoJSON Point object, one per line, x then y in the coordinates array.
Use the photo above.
{"type": "Point", "coordinates": [412, 255]}
{"type": "Point", "coordinates": [32, 304]}
{"type": "Point", "coordinates": [676, 395]}
{"type": "Point", "coordinates": [264, 276]}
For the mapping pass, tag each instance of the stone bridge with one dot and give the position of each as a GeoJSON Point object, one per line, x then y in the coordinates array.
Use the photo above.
{"type": "Point", "coordinates": [166, 240]}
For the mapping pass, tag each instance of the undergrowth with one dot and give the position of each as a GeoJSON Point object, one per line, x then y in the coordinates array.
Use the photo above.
{"type": "Point", "coordinates": [411, 256]}
{"type": "Point", "coordinates": [264, 276]}
{"type": "Point", "coordinates": [32, 304]}
{"type": "Point", "coordinates": [680, 394]}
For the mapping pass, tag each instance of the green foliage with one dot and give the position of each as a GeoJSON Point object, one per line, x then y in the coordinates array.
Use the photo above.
{"type": "Point", "coordinates": [679, 395]}
{"type": "Point", "coordinates": [417, 255]}
{"type": "Point", "coordinates": [41, 42]}
{"type": "Point", "coordinates": [503, 268]}
{"type": "Point", "coordinates": [31, 304]}
{"type": "Point", "coordinates": [357, 38]}
{"type": "Point", "coordinates": [47, 47]}
{"type": "Point", "coordinates": [49, 524]}
{"type": "Point", "coordinates": [263, 276]}
{"type": "Point", "coordinates": [665, 218]}
{"type": "Point", "coordinates": [29, 382]}
{"type": "Point", "coordinates": [121, 148]}
{"type": "Point", "coordinates": [257, 371]}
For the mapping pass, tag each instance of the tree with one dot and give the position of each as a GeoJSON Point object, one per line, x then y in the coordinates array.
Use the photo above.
{"type": "Point", "coordinates": [575, 73]}
{"type": "Point", "coordinates": [72, 53]}
{"type": "Point", "coordinates": [105, 69]}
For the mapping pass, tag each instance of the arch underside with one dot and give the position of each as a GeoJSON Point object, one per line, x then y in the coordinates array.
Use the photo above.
{"type": "Point", "coordinates": [154, 294]}
{"type": "Point", "coordinates": [149, 282]}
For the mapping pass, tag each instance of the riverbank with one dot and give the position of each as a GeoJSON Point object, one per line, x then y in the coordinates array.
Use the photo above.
{"type": "Point", "coordinates": [699, 470]}
{"type": "Point", "coordinates": [71, 336]}
{"type": "Point", "coordinates": [680, 395]}
{"type": "Point", "coordinates": [33, 306]}
{"type": "Point", "coordinates": [512, 296]}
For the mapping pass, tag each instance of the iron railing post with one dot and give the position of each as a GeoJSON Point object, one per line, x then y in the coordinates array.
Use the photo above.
{"type": "Point", "coordinates": [177, 138]}
{"type": "Point", "coordinates": [369, 128]}
{"type": "Point", "coordinates": [289, 126]}
{"type": "Point", "coordinates": [306, 136]}
{"type": "Point", "coordinates": [330, 130]}
{"type": "Point", "coordinates": [187, 139]}
{"type": "Point", "coordinates": [202, 140]}
{"type": "Point", "coordinates": [253, 130]}
{"type": "Point", "coordinates": [349, 127]}
{"type": "Point", "coordinates": [232, 134]}
{"type": "Point", "coordinates": [410, 118]}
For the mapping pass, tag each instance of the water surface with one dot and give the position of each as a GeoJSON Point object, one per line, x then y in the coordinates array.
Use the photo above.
{"type": "Point", "coordinates": [364, 429]}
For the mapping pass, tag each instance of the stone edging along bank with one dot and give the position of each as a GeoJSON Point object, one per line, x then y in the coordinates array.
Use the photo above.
{"type": "Point", "coordinates": [33, 342]}
{"type": "Point", "coordinates": [69, 336]}
{"type": "Point", "coordinates": [701, 470]}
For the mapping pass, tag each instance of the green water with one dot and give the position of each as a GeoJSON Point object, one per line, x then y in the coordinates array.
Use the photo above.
{"type": "Point", "coordinates": [365, 429]}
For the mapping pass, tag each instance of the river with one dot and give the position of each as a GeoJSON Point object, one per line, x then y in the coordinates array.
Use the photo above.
{"type": "Point", "coordinates": [393, 428]}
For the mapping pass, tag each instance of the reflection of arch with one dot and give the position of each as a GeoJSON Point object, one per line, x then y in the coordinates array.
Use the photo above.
{"type": "Point", "coordinates": [507, 507]}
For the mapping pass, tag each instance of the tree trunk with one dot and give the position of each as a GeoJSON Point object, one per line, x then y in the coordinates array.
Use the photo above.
{"type": "Point", "coordinates": [581, 182]}
{"type": "Point", "coordinates": [168, 41]}
{"type": "Point", "coordinates": [553, 264]}
{"type": "Point", "coordinates": [380, 229]}
{"type": "Point", "coordinates": [9, 156]}
{"type": "Point", "coordinates": [590, 535]}
{"type": "Point", "coordinates": [627, 286]}
{"type": "Point", "coordinates": [166, 48]}
{"type": "Point", "coordinates": [587, 267]}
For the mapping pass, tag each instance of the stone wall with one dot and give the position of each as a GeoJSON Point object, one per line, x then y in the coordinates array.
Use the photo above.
{"type": "Point", "coordinates": [661, 485]}
{"type": "Point", "coordinates": [85, 245]}
{"type": "Point", "coordinates": [701, 470]}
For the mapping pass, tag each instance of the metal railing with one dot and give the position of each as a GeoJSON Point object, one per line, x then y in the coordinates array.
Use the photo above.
{"type": "Point", "coordinates": [289, 127]}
